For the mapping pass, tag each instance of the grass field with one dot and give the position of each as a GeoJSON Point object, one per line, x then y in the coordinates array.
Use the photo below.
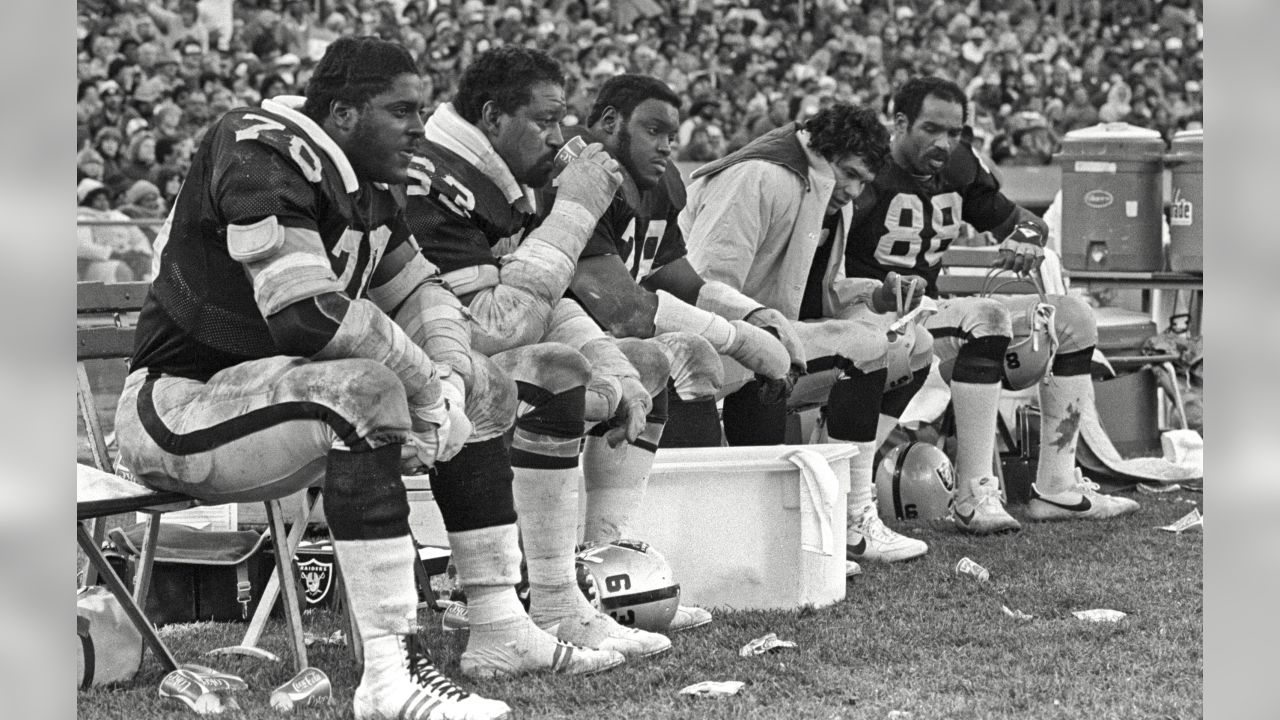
{"type": "Point", "coordinates": [910, 641]}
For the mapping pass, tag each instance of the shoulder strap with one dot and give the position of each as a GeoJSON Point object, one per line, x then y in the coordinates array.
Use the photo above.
{"type": "Point", "coordinates": [86, 645]}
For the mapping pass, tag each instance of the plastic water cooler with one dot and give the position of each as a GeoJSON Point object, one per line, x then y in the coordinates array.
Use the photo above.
{"type": "Point", "coordinates": [1112, 198]}
{"type": "Point", "coordinates": [1186, 208]}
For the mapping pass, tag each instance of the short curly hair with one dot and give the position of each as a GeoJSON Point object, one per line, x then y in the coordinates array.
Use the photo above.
{"type": "Point", "coordinates": [355, 70]}
{"type": "Point", "coordinates": [844, 129]}
{"type": "Point", "coordinates": [910, 97]}
{"type": "Point", "coordinates": [625, 92]}
{"type": "Point", "coordinates": [505, 75]}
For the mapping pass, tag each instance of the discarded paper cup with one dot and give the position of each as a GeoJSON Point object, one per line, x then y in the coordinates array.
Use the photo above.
{"type": "Point", "coordinates": [309, 687]}
{"type": "Point", "coordinates": [572, 148]}
{"type": "Point", "coordinates": [972, 569]}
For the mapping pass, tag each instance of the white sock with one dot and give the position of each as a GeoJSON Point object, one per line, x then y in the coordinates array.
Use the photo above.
{"type": "Point", "coordinates": [976, 406]}
{"type": "Point", "coordinates": [616, 479]}
{"type": "Point", "coordinates": [884, 425]}
{"type": "Point", "coordinates": [547, 506]}
{"type": "Point", "coordinates": [861, 474]}
{"type": "Point", "coordinates": [1062, 401]}
{"type": "Point", "coordinates": [384, 605]}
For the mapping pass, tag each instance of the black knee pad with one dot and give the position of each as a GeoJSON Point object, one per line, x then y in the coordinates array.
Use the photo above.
{"type": "Point", "coordinates": [853, 407]}
{"type": "Point", "coordinates": [559, 415]}
{"type": "Point", "coordinates": [747, 421]}
{"type": "Point", "coordinates": [473, 489]}
{"type": "Point", "coordinates": [690, 423]}
{"type": "Point", "coordinates": [894, 402]}
{"type": "Point", "coordinates": [1079, 362]}
{"type": "Point", "coordinates": [981, 360]}
{"type": "Point", "coordinates": [364, 497]}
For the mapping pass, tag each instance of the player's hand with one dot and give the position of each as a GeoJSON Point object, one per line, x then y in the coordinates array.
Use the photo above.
{"type": "Point", "coordinates": [1023, 251]}
{"type": "Point", "coordinates": [771, 391]}
{"type": "Point", "coordinates": [758, 351]}
{"type": "Point", "coordinates": [898, 293]}
{"type": "Point", "coordinates": [441, 428]}
{"type": "Point", "coordinates": [590, 179]}
{"type": "Point", "coordinates": [632, 415]}
{"type": "Point", "coordinates": [766, 318]}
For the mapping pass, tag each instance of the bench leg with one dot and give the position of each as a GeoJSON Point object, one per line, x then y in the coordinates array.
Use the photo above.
{"type": "Point", "coordinates": [121, 593]}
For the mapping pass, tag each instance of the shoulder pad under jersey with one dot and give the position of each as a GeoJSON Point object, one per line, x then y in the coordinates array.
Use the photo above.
{"type": "Point", "coordinates": [305, 145]}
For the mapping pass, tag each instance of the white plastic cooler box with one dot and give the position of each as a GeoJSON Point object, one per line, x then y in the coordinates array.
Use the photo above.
{"type": "Point", "coordinates": [728, 520]}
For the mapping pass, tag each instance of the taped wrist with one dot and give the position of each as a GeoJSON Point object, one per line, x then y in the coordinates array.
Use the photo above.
{"type": "Point", "coordinates": [676, 315]}
{"type": "Point", "coordinates": [433, 318]}
{"type": "Point", "coordinates": [364, 498]}
{"type": "Point", "coordinates": [367, 332]}
{"type": "Point", "coordinates": [719, 298]}
{"type": "Point", "coordinates": [567, 228]}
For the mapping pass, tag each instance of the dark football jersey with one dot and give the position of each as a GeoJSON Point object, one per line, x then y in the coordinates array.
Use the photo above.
{"type": "Point", "coordinates": [904, 223]}
{"type": "Point", "coordinates": [200, 315]}
{"type": "Point", "coordinates": [646, 237]}
{"type": "Point", "coordinates": [457, 213]}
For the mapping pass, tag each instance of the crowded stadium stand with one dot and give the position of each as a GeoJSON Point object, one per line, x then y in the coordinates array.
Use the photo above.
{"type": "Point", "coordinates": [153, 75]}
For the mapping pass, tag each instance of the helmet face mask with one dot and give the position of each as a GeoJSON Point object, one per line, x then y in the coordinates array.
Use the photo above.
{"type": "Point", "coordinates": [914, 482]}
{"type": "Point", "coordinates": [629, 581]}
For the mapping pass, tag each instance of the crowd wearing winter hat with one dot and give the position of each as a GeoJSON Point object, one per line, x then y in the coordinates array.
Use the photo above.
{"type": "Point", "coordinates": [154, 73]}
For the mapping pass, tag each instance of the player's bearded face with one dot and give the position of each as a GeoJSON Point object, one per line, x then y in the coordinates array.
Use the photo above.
{"type": "Point", "coordinates": [527, 139]}
{"type": "Point", "coordinates": [924, 146]}
{"type": "Point", "coordinates": [387, 131]}
{"type": "Point", "coordinates": [644, 141]}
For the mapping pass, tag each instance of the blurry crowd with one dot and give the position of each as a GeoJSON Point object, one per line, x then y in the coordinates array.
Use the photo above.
{"type": "Point", "coordinates": [154, 74]}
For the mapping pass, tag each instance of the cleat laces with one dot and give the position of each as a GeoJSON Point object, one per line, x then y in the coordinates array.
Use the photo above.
{"type": "Point", "coordinates": [426, 675]}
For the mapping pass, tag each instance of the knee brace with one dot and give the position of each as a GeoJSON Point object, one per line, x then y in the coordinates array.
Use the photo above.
{"type": "Point", "coordinates": [894, 402]}
{"type": "Point", "coordinates": [364, 498]}
{"type": "Point", "coordinates": [473, 489]}
{"type": "Point", "coordinates": [981, 360]}
{"type": "Point", "coordinates": [853, 406]}
{"type": "Point", "coordinates": [1079, 362]}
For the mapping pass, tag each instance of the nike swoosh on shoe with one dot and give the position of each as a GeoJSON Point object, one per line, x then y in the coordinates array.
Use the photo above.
{"type": "Point", "coordinates": [966, 519]}
{"type": "Point", "coordinates": [1083, 506]}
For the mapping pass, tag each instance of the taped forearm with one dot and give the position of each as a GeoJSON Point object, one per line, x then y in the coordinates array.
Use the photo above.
{"type": "Point", "coordinates": [364, 331]}
{"type": "Point", "coordinates": [675, 315]}
{"type": "Point", "coordinates": [725, 301]}
{"type": "Point", "coordinates": [543, 264]}
{"type": "Point", "coordinates": [432, 316]}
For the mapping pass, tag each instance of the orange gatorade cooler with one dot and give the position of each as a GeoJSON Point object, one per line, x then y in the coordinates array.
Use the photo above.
{"type": "Point", "coordinates": [1112, 198]}
{"type": "Point", "coordinates": [1186, 206]}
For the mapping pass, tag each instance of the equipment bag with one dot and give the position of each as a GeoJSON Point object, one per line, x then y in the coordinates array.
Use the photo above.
{"type": "Point", "coordinates": [214, 575]}
{"type": "Point", "coordinates": [110, 645]}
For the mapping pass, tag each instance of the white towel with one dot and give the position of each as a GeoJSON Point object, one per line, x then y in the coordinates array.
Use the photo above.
{"type": "Point", "coordinates": [448, 129]}
{"type": "Point", "coordinates": [818, 490]}
{"type": "Point", "coordinates": [1146, 469]}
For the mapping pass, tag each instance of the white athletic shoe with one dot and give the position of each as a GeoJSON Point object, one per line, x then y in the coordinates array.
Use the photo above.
{"type": "Point", "coordinates": [597, 630]}
{"type": "Point", "coordinates": [421, 692]}
{"type": "Point", "coordinates": [1081, 502]}
{"type": "Point", "coordinates": [870, 540]}
{"type": "Point", "coordinates": [976, 507]}
{"type": "Point", "coordinates": [851, 568]}
{"type": "Point", "coordinates": [532, 650]}
{"type": "Point", "coordinates": [688, 617]}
